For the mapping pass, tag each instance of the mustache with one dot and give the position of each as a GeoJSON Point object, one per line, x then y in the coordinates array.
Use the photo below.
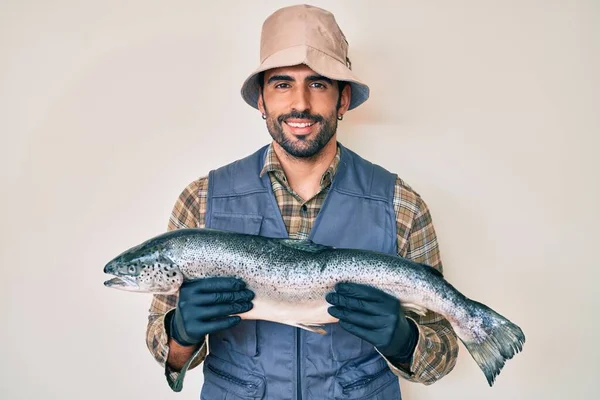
{"type": "Point", "coordinates": [300, 115]}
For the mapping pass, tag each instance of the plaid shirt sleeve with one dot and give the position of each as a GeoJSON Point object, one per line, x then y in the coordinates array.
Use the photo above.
{"type": "Point", "coordinates": [437, 348]}
{"type": "Point", "coordinates": [188, 212]}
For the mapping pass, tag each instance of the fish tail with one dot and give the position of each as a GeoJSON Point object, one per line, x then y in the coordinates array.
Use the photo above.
{"type": "Point", "coordinates": [494, 341]}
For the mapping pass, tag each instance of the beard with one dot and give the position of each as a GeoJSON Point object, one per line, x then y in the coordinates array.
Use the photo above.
{"type": "Point", "coordinates": [302, 147]}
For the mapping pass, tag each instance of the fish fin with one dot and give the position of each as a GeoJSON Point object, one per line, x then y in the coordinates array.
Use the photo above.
{"type": "Point", "coordinates": [316, 328]}
{"type": "Point", "coordinates": [501, 341]}
{"type": "Point", "coordinates": [433, 271]}
{"type": "Point", "coordinates": [417, 309]}
{"type": "Point", "coordinates": [304, 245]}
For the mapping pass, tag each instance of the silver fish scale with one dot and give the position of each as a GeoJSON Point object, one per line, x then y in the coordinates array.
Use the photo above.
{"type": "Point", "coordinates": [285, 273]}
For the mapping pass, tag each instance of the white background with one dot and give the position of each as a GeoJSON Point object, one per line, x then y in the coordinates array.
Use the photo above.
{"type": "Point", "coordinates": [489, 109]}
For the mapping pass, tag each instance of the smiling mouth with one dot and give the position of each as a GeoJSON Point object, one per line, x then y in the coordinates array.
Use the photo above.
{"type": "Point", "coordinates": [300, 128]}
{"type": "Point", "coordinates": [300, 124]}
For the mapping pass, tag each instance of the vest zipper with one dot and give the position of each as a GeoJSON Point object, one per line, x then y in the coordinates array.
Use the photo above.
{"type": "Point", "coordinates": [298, 385]}
{"type": "Point", "coordinates": [231, 378]}
{"type": "Point", "coordinates": [360, 383]}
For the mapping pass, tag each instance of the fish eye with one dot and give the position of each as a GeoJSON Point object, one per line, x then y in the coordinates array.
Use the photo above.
{"type": "Point", "coordinates": [131, 269]}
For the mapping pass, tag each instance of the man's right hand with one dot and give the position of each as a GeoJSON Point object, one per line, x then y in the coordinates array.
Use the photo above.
{"type": "Point", "coordinates": [205, 306]}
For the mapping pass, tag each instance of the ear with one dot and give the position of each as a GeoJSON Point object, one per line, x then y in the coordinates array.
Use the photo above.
{"type": "Point", "coordinates": [345, 99]}
{"type": "Point", "coordinates": [260, 102]}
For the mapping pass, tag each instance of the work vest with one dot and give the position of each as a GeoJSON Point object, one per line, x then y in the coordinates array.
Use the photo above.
{"type": "Point", "coordinates": [265, 360]}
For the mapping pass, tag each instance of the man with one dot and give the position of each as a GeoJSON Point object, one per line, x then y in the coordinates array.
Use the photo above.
{"type": "Point", "coordinates": [303, 185]}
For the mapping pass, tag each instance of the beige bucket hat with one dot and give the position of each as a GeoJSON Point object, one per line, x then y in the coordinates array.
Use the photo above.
{"type": "Point", "coordinates": [304, 34]}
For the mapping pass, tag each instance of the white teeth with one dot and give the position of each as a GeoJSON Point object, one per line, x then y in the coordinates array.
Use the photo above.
{"type": "Point", "coordinates": [299, 125]}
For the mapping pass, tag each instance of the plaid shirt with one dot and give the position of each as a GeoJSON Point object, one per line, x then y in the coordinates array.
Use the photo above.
{"type": "Point", "coordinates": [437, 349]}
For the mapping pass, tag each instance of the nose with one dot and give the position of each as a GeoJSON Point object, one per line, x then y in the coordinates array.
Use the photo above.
{"type": "Point", "coordinates": [301, 100]}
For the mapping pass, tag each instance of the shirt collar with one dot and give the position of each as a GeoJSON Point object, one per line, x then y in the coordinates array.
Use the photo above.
{"type": "Point", "coordinates": [273, 165]}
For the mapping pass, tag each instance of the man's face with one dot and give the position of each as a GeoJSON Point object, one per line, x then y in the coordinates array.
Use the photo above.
{"type": "Point", "coordinates": [301, 108]}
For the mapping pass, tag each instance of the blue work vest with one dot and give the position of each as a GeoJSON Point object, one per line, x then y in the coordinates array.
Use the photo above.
{"type": "Point", "coordinates": [266, 360]}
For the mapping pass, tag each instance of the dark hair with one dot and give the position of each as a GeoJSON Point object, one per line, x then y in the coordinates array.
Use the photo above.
{"type": "Point", "coordinates": [260, 81]}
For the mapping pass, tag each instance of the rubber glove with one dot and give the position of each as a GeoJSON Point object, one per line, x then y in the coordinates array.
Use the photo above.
{"type": "Point", "coordinates": [205, 306]}
{"type": "Point", "coordinates": [375, 317]}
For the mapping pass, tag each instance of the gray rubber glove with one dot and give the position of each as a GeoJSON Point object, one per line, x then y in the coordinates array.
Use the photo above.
{"type": "Point", "coordinates": [205, 306]}
{"type": "Point", "coordinates": [376, 317]}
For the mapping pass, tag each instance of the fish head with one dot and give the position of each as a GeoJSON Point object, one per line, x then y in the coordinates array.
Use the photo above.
{"type": "Point", "coordinates": [146, 269]}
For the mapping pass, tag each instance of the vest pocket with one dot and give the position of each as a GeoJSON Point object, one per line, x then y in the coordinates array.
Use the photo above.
{"type": "Point", "coordinates": [223, 380]}
{"type": "Point", "coordinates": [240, 223]}
{"type": "Point", "coordinates": [373, 381]}
{"type": "Point", "coordinates": [239, 339]}
{"type": "Point", "coordinates": [346, 346]}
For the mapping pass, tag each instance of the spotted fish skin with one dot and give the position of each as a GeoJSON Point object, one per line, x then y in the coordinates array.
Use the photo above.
{"type": "Point", "coordinates": [290, 279]}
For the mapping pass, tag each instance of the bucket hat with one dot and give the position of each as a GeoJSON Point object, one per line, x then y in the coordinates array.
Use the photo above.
{"type": "Point", "coordinates": [305, 34]}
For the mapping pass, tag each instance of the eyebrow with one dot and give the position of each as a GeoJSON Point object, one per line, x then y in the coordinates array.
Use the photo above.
{"type": "Point", "coordinates": [310, 78]}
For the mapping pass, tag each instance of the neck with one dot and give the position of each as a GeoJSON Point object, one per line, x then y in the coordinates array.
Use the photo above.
{"type": "Point", "coordinates": [304, 174]}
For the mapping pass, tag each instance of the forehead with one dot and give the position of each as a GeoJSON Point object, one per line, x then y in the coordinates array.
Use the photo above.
{"type": "Point", "coordinates": [296, 71]}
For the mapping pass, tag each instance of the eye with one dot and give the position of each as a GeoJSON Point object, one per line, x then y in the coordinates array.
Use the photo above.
{"type": "Point", "coordinates": [282, 86]}
{"type": "Point", "coordinates": [131, 269]}
{"type": "Point", "coordinates": [318, 85]}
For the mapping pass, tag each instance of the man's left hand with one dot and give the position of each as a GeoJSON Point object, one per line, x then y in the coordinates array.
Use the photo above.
{"type": "Point", "coordinates": [375, 317]}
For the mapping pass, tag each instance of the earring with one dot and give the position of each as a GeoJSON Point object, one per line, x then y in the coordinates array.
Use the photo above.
{"type": "Point", "coordinates": [341, 117]}
{"type": "Point", "coordinates": [264, 116]}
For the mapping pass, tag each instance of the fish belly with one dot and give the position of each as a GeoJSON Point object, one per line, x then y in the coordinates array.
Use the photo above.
{"type": "Point", "coordinates": [312, 312]}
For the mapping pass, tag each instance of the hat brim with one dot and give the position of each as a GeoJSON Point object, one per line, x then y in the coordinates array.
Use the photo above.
{"type": "Point", "coordinates": [318, 61]}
